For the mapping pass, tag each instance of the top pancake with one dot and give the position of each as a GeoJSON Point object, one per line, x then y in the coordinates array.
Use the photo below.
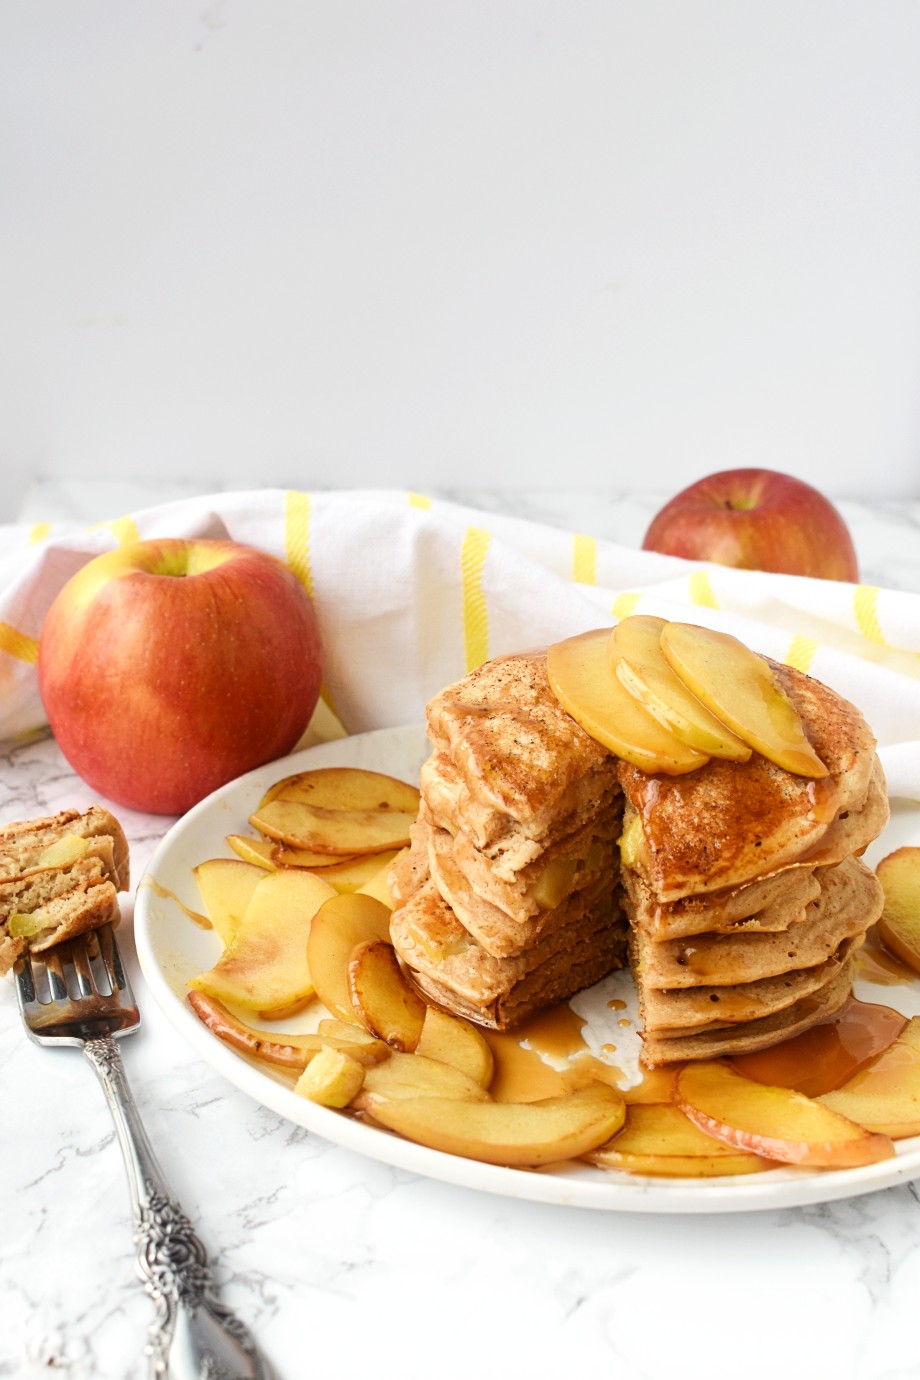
{"type": "Point", "coordinates": [518, 753]}
{"type": "Point", "coordinates": [729, 822]}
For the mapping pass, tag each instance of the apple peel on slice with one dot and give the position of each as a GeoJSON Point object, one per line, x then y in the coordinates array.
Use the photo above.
{"type": "Point", "coordinates": [637, 660]}
{"type": "Point", "coordinates": [381, 997]}
{"type": "Point", "coordinates": [739, 687]}
{"type": "Point", "coordinates": [338, 928]}
{"type": "Point", "coordinates": [774, 1122]}
{"type": "Point", "coordinates": [581, 679]}
{"type": "Point", "coordinates": [526, 1134]}
{"type": "Point", "coordinates": [283, 1048]}
{"type": "Point", "coordinates": [658, 1139]}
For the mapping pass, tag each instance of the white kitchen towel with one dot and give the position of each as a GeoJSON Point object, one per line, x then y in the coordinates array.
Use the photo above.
{"type": "Point", "coordinates": [412, 592]}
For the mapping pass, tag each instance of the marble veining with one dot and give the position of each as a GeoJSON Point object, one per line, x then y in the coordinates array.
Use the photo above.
{"type": "Point", "coordinates": [347, 1267]}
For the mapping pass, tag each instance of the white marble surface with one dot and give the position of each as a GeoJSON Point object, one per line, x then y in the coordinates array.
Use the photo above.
{"type": "Point", "coordinates": [344, 1266]}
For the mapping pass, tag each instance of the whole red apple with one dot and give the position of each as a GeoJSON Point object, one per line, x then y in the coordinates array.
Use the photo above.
{"type": "Point", "coordinates": [169, 667]}
{"type": "Point", "coordinates": [756, 519]}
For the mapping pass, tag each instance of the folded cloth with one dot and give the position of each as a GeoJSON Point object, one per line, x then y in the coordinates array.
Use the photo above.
{"type": "Point", "coordinates": [412, 593]}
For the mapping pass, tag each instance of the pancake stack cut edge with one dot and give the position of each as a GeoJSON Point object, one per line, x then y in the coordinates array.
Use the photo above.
{"type": "Point", "coordinates": [736, 894]}
{"type": "Point", "coordinates": [61, 873]}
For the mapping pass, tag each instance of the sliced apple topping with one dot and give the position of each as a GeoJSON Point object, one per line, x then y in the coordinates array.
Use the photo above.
{"type": "Point", "coordinates": [344, 922]}
{"type": "Point", "coordinates": [885, 1097]}
{"type": "Point", "coordinates": [381, 997]}
{"type": "Point", "coordinates": [510, 1133]}
{"type": "Point", "coordinates": [580, 675]}
{"type": "Point", "coordinates": [899, 924]}
{"type": "Point", "coordinates": [637, 659]}
{"type": "Point", "coordinates": [774, 1122]}
{"type": "Point", "coordinates": [226, 886]}
{"type": "Point", "coordinates": [659, 1139]}
{"type": "Point", "coordinates": [283, 1048]}
{"type": "Point", "coordinates": [331, 1079]}
{"type": "Point", "coordinates": [739, 687]}
{"type": "Point", "coordinates": [264, 967]}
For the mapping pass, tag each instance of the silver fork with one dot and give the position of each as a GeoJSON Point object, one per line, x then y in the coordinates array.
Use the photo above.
{"type": "Point", "coordinates": [78, 994]}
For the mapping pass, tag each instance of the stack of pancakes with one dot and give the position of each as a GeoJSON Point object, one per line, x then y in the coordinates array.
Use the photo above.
{"type": "Point", "coordinates": [745, 894]}
{"type": "Point", "coordinates": [509, 898]}
{"type": "Point", "coordinates": [741, 882]}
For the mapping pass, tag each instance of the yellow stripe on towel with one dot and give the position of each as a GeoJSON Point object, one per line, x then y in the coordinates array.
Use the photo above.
{"type": "Point", "coordinates": [475, 613]}
{"type": "Point", "coordinates": [17, 644]}
{"type": "Point", "coordinates": [701, 590]}
{"type": "Point", "coordinates": [624, 605]}
{"type": "Point", "coordinates": [123, 529]}
{"type": "Point", "coordinates": [297, 536]}
{"type": "Point", "coordinates": [801, 653]}
{"type": "Point", "coordinates": [865, 609]}
{"type": "Point", "coordinates": [419, 500]}
{"type": "Point", "coordinates": [39, 532]}
{"type": "Point", "coordinates": [584, 559]}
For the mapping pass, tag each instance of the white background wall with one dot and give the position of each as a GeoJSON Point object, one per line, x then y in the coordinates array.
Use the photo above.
{"type": "Point", "coordinates": [566, 242]}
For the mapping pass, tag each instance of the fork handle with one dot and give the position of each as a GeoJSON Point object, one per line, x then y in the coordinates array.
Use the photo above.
{"type": "Point", "coordinates": [193, 1336]}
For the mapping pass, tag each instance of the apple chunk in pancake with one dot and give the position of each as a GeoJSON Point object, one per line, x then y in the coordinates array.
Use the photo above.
{"type": "Point", "coordinates": [774, 1122]}
{"type": "Point", "coordinates": [581, 678]}
{"type": "Point", "coordinates": [637, 660]}
{"type": "Point", "coordinates": [265, 967]}
{"type": "Point", "coordinates": [739, 687]}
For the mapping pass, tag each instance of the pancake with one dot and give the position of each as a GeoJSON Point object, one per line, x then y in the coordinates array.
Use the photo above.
{"type": "Point", "coordinates": [748, 1036]}
{"type": "Point", "coordinates": [849, 900]}
{"type": "Point", "coordinates": [450, 967]}
{"type": "Point", "coordinates": [730, 822]}
{"type": "Point", "coordinates": [768, 904]}
{"type": "Point", "coordinates": [518, 764]}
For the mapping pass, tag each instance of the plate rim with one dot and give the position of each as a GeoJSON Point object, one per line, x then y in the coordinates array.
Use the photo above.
{"type": "Point", "coordinates": [597, 1189]}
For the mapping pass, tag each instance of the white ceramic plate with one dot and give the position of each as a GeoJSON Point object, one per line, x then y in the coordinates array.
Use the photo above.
{"type": "Point", "coordinates": [172, 948]}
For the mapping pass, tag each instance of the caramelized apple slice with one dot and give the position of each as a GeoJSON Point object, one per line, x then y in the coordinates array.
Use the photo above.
{"type": "Point", "coordinates": [331, 1079]}
{"type": "Point", "coordinates": [347, 874]}
{"type": "Point", "coordinates": [415, 1076]}
{"type": "Point", "coordinates": [886, 1096]}
{"type": "Point", "coordinates": [226, 886]}
{"type": "Point", "coordinates": [510, 1133]}
{"type": "Point", "coordinates": [658, 1139]}
{"type": "Point", "coordinates": [738, 687]}
{"type": "Point", "coordinates": [774, 1122]}
{"type": "Point", "coordinates": [381, 997]}
{"type": "Point", "coordinates": [264, 968]}
{"type": "Point", "coordinates": [455, 1041]}
{"type": "Point", "coordinates": [255, 851]}
{"type": "Point", "coordinates": [283, 1048]}
{"type": "Point", "coordinates": [347, 788]}
{"type": "Point", "coordinates": [899, 925]}
{"type": "Point", "coordinates": [379, 885]}
{"type": "Point", "coordinates": [283, 856]}
{"type": "Point", "coordinates": [338, 928]}
{"type": "Point", "coordinates": [637, 659]}
{"type": "Point", "coordinates": [323, 830]}
{"type": "Point", "coordinates": [581, 678]}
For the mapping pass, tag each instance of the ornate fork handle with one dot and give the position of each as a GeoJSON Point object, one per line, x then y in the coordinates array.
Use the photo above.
{"type": "Point", "coordinates": [193, 1336]}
